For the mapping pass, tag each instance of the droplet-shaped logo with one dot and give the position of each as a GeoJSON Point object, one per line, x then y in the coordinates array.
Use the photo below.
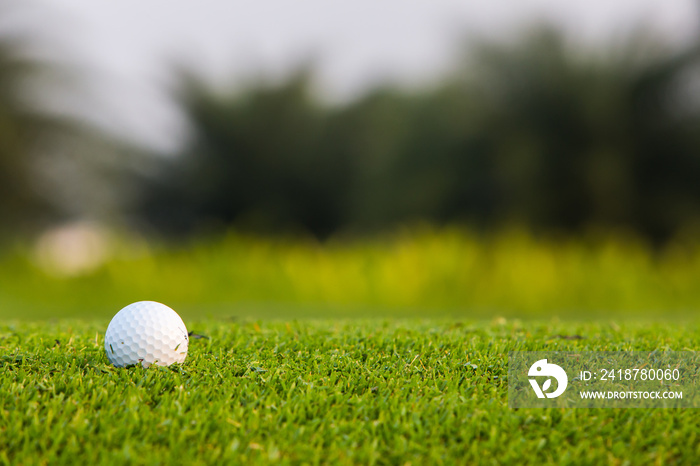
{"type": "Point", "coordinates": [543, 369]}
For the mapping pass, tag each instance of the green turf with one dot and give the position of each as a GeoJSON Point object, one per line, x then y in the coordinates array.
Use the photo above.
{"type": "Point", "coordinates": [369, 392]}
{"type": "Point", "coordinates": [447, 273]}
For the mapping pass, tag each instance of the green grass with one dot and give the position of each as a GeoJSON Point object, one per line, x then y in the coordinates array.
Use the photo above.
{"type": "Point", "coordinates": [449, 272]}
{"type": "Point", "coordinates": [336, 392]}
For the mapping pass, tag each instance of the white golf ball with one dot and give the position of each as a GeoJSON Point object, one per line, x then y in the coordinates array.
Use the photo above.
{"type": "Point", "coordinates": [146, 333]}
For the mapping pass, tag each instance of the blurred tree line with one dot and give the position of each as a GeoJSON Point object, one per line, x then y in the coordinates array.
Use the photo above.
{"type": "Point", "coordinates": [528, 133]}
{"type": "Point", "coordinates": [532, 133]}
{"type": "Point", "coordinates": [21, 129]}
{"type": "Point", "coordinates": [53, 167]}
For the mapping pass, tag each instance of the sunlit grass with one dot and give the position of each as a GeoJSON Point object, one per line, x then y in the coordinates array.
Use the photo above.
{"type": "Point", "coordinates": [438, 272]}
{"type": "Point", "coordinates": [323, 392]}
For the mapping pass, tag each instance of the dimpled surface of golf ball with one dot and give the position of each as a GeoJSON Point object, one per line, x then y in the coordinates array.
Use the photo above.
{"type": "Point", "coordinates": [146, 333]}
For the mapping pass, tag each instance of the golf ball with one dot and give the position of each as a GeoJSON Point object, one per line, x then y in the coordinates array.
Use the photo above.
{"type": "Point", "coordinates": [146, 333]}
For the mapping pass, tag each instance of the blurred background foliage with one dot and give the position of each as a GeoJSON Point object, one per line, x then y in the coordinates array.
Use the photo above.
{"type": "Point", "coordinates": [535, 179]}
{"type": "Point", "coordinates": [54, 168]}
{"type": "Point", "coordinates": [21, 130]}
{"type": "Point", "coordinates": [532, 133]}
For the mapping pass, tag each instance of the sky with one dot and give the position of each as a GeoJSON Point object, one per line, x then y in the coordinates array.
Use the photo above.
{"type": "Point", "coordinates": [124, 50]}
